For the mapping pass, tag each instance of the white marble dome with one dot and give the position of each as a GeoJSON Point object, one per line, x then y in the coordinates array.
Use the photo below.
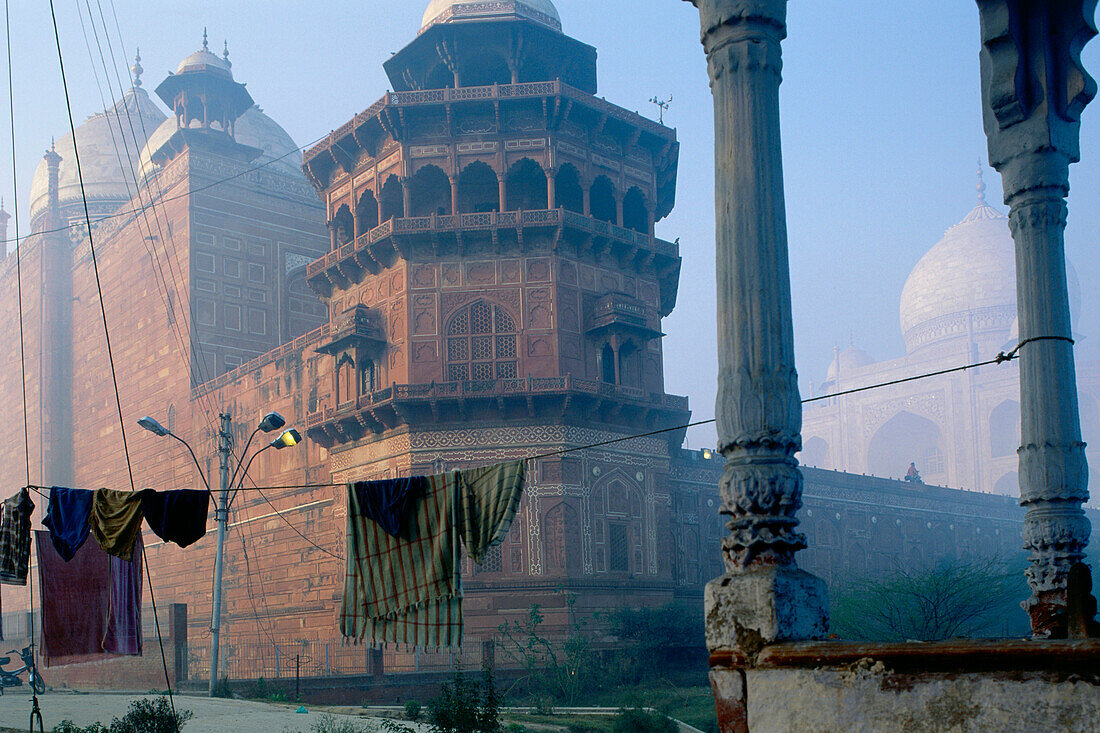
{"type": "Point", "coordinates": [965, 286]}
{"type": "Point", "coordinates": [108, 164]}
{"type": "Point", "coordinates": [450, 11]}
{"type": "Point", "coordinates": [966, 282]}
{"type": "Point", "coordinates": [253, 128]}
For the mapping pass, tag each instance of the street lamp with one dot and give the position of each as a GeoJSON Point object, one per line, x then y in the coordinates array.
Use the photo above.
{"type": "Point", "coordinates": [159, 430]}
{"type": "Point", "coordinates": [271, 422]}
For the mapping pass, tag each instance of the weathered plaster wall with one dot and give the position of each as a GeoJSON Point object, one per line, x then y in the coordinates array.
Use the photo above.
{"type": "Point", "coordinates": [867, 700]}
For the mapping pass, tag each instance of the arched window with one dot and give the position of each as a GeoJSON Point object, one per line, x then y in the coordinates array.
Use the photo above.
{"type": "Point", "coordinates": [345, 380]}
{"type": "Point", "coordinates": [602, 201]}
{"type": "Point", "coordinates": [607, 365]}
{"type": "Point", "coordinates": [478, 190]}
{"type": "Point", "coordinates": [367, 377]}
{"type": "Point", "coordinates": [343, 225]}
{"type": "Point", "coordinates": [562, 538]}
{"type": "Point", "coordinates": [392, 199]}
{"type": "Point", "coordinates": [567, 190]}
{"type": "Point", "coordinates": [430, 192]}
{"type": "Point", "coordinates": [526, 186]}
{"type": "Point", "coordinates": [485, 69]}
{"type": "Point", "coordinates": [481, 344]}
{"type": "Point", "coordinates": [635, 214]}
{"type": "Point", "coordinates": [366, 212]}
{"type": "Point", "coordinates": [440, 78]}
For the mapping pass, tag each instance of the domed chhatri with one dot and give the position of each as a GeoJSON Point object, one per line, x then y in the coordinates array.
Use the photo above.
{"type": "Point", "coordinates": [457, 11]}
{"type": "Point", "coordinates": [205, 60]}
{"type": "Point", "coordinates": [254, 129]}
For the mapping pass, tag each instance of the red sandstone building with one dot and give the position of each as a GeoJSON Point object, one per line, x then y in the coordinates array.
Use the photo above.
{"type": "Point", "coordinates": [489, 287]}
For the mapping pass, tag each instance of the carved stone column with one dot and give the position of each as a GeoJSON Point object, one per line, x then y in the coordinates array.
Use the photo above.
{"type": "Point", "coordinates": [763, 597]}
{"type": "Point", "coordinates": [1034, 90]}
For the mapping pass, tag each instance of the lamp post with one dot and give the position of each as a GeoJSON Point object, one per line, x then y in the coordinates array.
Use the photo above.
{"type": "Point", "coordinates": [271, 422]}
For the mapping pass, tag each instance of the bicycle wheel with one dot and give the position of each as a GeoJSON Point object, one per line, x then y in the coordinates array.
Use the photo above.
{"type": "Point", "coordinates": [38, 683]}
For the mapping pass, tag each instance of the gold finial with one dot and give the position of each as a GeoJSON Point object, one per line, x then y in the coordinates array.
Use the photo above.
{"type": "Point", "coordinates": [981, 185]}
{"type": "Point", "coordinates": [225, 54]}
{"type": "Point", "coordinates": [205, 44]}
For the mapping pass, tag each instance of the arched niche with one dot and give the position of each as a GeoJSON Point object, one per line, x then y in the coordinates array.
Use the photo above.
{"type": "Point", "coordinates": [429, 192]}
{"type": "Point", "coordinates": [343, 225]}
{"type": "Point", "coordinates": [478, 189]}
{"type": "Point", "coordinates": [568, 192]}
{"type": "Point", "coordinates": [1004, 429]}
{"type": "Point", "coordinates": [561, 532]}
{"type": "Point", "coordinates": [907, 438]}
{"type": "Point", "coordinates": [815, 452]}
{"type": "Point", "coordinates": [392, 199]}
{"type": "Point", "coordinates": [635, 213]}
{"type": "Point", "coordinates": [366, 212]}
{"type": "Point", "coordinates": [526, 186]}
{"type": "Point", "coordinates": [602, 200]}
{"type": "Point", "coordinates": [485, 67]}
{"type": "Point", "coordinates": [440, 77]}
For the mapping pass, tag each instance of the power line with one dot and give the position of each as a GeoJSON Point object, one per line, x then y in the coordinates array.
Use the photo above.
{"type": "Point", "coordinates": [107, 337]}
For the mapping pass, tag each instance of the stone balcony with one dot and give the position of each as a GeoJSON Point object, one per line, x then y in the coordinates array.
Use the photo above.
{"type": "Point", "coordinates": [446, 233]}
{"type": "Point", "coordinates": [497, 400]}
{"type": "Point", "coordinates": [621, 313]}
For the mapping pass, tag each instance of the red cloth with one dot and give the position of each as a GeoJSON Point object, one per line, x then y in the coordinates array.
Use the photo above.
{"type": "Point", "coordinates": [91, 605]}
{"type": "Point", "coordinates": [73, 597]}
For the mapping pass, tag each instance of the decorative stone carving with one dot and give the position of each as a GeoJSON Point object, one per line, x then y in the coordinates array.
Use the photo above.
{"type": "Point", "coordinates": [763, 597]}
{"type": "Point", "coordinates": [1034, 90]}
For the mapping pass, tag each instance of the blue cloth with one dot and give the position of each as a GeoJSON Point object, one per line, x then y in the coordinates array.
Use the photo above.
{"type": "Point", "coordinates": [387, 501]}
{"type": "Point", "coordinates": [67, 519]}
{"type": "Point", "coordinates": [176, 516]}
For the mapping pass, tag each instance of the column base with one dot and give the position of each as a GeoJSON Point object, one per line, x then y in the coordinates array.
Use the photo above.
{"type": "Point", "coordinates": [748, 610]}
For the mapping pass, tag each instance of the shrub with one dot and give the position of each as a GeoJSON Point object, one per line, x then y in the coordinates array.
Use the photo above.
{"type": "Point", "coordinates": [412, 710]}
{"type": "Point", "coordinates": [464, 706]}
{"type": "Point", "coordinates": [642, 721]}
{"type": "Point", "coordinates": [150, 716]}
{"type": "Point", "coordinates": [330, 724]}
{"type": "Point", "coordinates": [68, 726]}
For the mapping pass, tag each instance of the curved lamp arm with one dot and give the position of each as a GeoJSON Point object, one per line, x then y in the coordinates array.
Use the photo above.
{"type": "Point", "coordinates": [241, 459]}
{"type": "Point", "coordinates": [244, 473]}
{"type": "Point", "coordinates": [193, 458]}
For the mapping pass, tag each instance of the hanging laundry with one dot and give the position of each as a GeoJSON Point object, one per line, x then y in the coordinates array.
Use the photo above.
{"type": "Point", "coordinates": [116, 521]}
{"type": "Point", "coordinates": [176, 516]}
{"type": "Point", "coordinates": [123, 632]}
{"type": "Point", "coordinates": [73, 597]}
{"type": "Point", "coordinates": [15, 538]}
{"type": "Point", "coordinates": [490, 499]}
{"type": "Point", "coordinates": [67, 516]}
{"type": "Point", "coordinates": [405, 589]}
{"type": "Point", "coordinates": [387, 501]}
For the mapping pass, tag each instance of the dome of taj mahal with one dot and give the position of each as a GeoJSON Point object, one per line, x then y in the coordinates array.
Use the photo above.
{"type": "Point", "coordinates": [965, 286]}
{"type": "Point", "coordinates": [847, 361]}
{"type": "Point", "coordinates": [253, 128]}
{"type": "Point", "coordinates": [107, 160]}
{"type": "Point", "coordinates": [457, 11]}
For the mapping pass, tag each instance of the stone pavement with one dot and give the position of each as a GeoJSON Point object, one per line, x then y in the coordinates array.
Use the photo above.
{"type": "Point", "coordinates": [212, 715]}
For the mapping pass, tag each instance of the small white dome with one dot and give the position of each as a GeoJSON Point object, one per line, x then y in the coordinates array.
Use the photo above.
{"type": "Point", "coordinates": [848, 361]}
{"type": "Point", "coordinates": [253, 128]}
{"type": "Point", "coordinates": [451, 11]}
{"type": "Point", "coordinates": [108, 157]}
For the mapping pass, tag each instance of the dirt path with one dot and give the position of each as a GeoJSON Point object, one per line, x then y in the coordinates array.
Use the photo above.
{"type": "Point", "coordinates": [212, 715]}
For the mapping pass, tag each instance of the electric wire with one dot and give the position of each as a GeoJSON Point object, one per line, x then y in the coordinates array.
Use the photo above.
{"type": "Point", "coordinates": [22, 340]}
{"type": "Point", "coordinates": [107, 337]}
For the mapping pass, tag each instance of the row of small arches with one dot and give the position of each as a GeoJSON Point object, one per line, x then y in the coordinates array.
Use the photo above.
{"type": "Point", "coordinates": [479, 189]}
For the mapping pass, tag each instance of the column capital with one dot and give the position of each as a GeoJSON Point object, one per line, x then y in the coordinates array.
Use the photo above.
{"type": "Point", "coordinates": [1034, 86]}
{"type": "Point", "coordinates": [755, 16]}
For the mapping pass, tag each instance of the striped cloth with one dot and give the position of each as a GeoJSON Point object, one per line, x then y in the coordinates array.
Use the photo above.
{"type": "Point", "coordinates": [15, 538]}
{"type": "Point", "coordinates": [406, 589]}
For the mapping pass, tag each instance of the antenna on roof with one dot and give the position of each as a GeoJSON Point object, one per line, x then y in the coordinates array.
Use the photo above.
{"type": "Point", "coordinates": [662, 105]}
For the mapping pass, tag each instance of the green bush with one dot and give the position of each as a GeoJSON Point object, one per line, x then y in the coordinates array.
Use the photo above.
{"type": "Point", "coordinates": [412, 710]}
{"type": "Point", "coordinates": [515, 728]}
{"type": "Point", "coordinates": [464, 706]}
{"type": "Point", "coordinates": [642, 721]}
{"type": "Point", "coordinates": [145, 716]}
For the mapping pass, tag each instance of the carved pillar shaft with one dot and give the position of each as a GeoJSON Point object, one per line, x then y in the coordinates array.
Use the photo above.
{"type": "Point", "coordinates": [1033, 91]}
{"type": "Point", "coordinates": [758, 408]}
{"type": "Point", "coordinates": [551, 192]}
{"type": "Point", "coordinates": [502, 182]}
{"type": "Point", "coordinates": [454, 195]}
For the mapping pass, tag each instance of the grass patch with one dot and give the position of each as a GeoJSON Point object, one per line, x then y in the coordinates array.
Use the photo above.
{"type": "Point", "coordinates": [692, 705]}
{"type": "Point", "coordinates": [534, 723]}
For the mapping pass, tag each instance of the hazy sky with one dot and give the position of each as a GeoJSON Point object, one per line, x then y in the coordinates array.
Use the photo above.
{"type": "Point", "coordinates": [881, 124]}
